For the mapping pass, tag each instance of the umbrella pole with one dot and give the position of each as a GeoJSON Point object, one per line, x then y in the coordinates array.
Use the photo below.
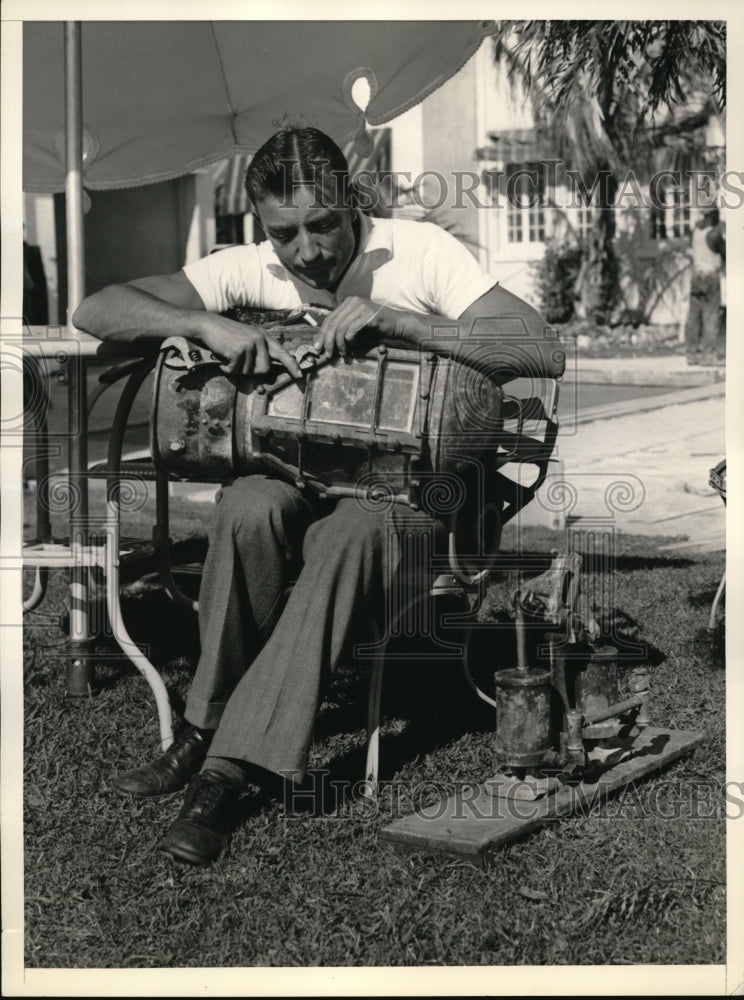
{"type": "Point", "coordinates": [79, 668]}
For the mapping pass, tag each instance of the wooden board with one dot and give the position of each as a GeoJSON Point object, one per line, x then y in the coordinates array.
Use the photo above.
{"type": "Point", "coordinates": [474, 821]}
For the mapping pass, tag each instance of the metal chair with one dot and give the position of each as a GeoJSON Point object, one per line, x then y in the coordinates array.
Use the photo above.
{"type": "Point", "coordinates": [717, 479]}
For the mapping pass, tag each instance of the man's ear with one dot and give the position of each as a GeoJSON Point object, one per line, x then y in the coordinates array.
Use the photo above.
{"type": "Point", "coordinates": [257, 225]}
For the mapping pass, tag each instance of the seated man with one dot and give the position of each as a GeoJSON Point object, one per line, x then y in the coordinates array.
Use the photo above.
{"type": "Point", "coordinates": [264, 663]}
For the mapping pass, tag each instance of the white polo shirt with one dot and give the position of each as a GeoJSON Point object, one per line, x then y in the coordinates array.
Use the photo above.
{"type": "Point", "coordinates": [416, 266]}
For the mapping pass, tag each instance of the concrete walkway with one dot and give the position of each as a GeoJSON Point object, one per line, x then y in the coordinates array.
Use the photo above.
{"type": "Point", "coordinates": [642, 465]}
{"type": "Point", "coordinates": [662, 370]}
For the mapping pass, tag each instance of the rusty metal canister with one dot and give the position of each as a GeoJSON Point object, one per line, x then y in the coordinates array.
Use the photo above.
{"type": "Point", "coordinates": [523, 733]}
{"type": "Point", "coordinates": [596, 686]}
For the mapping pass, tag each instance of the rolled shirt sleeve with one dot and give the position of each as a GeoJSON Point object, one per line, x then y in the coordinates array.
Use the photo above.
{"type": "Point", "coordinates": [451, 277]}
{"type": "Point", "coordinates": [227, 278]}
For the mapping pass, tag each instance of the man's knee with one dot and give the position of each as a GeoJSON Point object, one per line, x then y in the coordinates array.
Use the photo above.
{"type": "Point", "coordinates": [259, 501]}
{"type": "Point", "coordinates": [356, 526]}
{"type": "Point", "coordinates": [350, 526]}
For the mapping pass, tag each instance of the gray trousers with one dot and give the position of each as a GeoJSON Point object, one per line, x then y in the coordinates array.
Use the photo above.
{"type": "Point", "coordinates": [704, 330]}
{"type": "Point", "coordinates": [267, 652]}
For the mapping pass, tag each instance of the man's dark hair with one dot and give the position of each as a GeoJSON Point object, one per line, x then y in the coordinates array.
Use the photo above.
{"type": "Point", "coordinates": [295, 157]}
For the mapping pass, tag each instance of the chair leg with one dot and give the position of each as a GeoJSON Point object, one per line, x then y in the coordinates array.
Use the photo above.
{"type": "Point", "coordinates": [111, 553]}
{"type": "Point", "coordinates": [372, 769]}
{"type": "Point", "coordinates": [161, 544]}
{"type": "Point", "coordinates": [716, 600]}
{"type": "Point", "coordinates": [40, 587]}
{"type": "Point", "coordinates": [126, 644]}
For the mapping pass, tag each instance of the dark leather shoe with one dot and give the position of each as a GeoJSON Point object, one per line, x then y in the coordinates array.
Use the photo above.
{"type": "Point", "coordinates": [168, 773]}
{"type": "Point", "coordinates": [200, 832]}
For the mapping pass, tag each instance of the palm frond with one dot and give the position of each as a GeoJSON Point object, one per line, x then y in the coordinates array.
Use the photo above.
{"type": "Point", "coordinates": [597, 86]}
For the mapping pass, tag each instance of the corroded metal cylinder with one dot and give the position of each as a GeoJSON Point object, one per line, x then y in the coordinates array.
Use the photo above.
{"type": "Point", "coordinates": [523, 733]}
{"type": "Point", "coordinates": [596, 687]}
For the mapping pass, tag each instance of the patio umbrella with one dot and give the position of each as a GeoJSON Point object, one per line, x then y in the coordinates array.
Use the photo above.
{"type": "Point", "coordinates": [116, 104]}
{"type": "Point", "coordinates": [161, 98]}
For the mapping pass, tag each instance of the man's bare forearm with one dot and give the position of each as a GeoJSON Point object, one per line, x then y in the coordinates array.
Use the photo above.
{"type": "Point", "coordinates": [124, 314]}
{"type": "Point", "coordinates": [168, 306]}
{"type": "Point", "coordinates": [506, 338]}
{"type": "Point", "coordinates": [423, 332]}
{"type": "Point", "coordinates": [407, 329]}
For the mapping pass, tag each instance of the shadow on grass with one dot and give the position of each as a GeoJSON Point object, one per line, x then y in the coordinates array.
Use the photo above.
{"type": "Point", "coordinates": [166, 633]}
{"type": "Point", "coordinates": [430, 697]}
{"type": "Point", "coordinates": [621, 630]}
{"type": "Point", "coordinates": [533, 563]}
{"type": "Point", "coordinates": [709, 645]}
{"type": "Point", "coordinates": [169, 630]}
{"type": "Point", "coordinates": [190, 552]}
{"type": "Point", "coordinates": [703, 598]}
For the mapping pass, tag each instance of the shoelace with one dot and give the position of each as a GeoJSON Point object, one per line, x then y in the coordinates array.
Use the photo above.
{"type": "Point", "coordinates": [211, 794]}
{"type": "Point", "coordinates": [183, 744]}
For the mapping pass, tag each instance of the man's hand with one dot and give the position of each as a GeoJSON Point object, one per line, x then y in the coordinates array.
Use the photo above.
{"type": "Point", "coordinates": [354, 314]}
{"type": "Point", "coordinates": [245, 349]}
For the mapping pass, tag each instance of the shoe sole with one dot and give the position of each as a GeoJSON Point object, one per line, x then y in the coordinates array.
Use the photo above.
{"type": "Point", "coordinates": [191, 857]}
{"type": "Point", "coordinates": [130, 794]}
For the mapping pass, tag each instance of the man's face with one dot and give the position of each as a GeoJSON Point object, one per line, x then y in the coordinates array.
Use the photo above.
{"type": "Point", "coordinates": [311, 240]}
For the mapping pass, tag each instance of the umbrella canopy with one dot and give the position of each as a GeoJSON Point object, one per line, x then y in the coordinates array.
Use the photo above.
{"type": "Point", "coordinates": [162, 98]}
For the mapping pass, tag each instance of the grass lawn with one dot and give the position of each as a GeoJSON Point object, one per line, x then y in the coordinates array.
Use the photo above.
{"type": "Point", "coordinates": [640, 881]}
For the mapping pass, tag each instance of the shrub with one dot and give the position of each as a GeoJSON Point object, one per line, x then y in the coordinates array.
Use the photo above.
{"type": "Point", "coordinates": [555, 280]}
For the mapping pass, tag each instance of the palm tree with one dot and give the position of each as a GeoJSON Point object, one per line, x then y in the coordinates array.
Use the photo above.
{"type": "Point", "coordinates": [596, 88]}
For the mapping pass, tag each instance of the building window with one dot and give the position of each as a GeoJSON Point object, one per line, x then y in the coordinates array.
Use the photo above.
{"type": "Point", "coordinates": [525, 202]}
{"type": "Point", "coordinates": [585, 217]}
{"type": "Point", "coordinates": [671, 219]}
{"type": "Point", "coordinates": [679, 210]}
{"type": "Point", "coordinates": [658, 223]}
